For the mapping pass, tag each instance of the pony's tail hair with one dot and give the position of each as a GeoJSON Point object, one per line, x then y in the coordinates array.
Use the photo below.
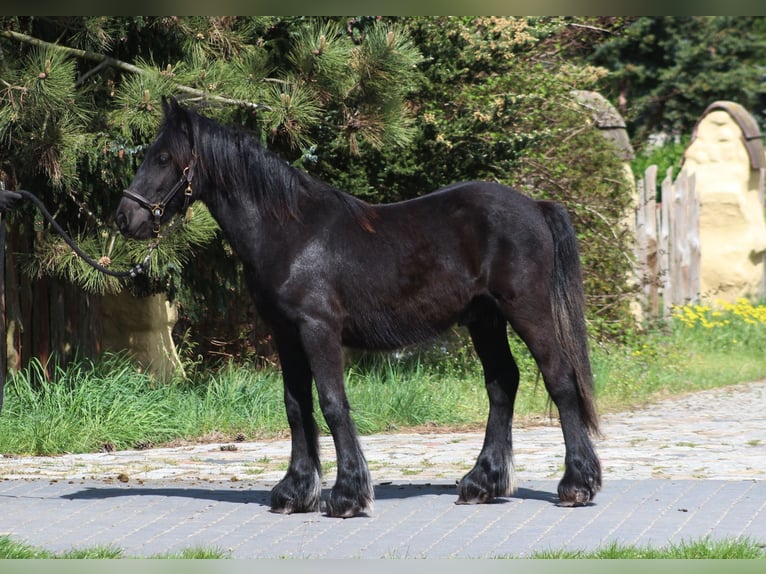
{"type": "Point", "coordinates": [568, 306]}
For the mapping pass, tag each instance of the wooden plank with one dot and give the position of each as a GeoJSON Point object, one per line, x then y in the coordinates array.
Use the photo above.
{"type": "Point", "coordinates": [693, 239]}
{"type": "Point", "coordinates": [640, 247]}
{"type": "Point", "coordinates": [664, 245]}
{"type": "Point", "coordinates": [762, 197]}
{"type": "Point", "coordinates": [682, 252]}
{"type": "Point", "coordinates": [650, 222]}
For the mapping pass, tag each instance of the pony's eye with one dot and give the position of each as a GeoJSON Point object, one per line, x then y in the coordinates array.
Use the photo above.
{"type": "Point", "coordinates": [164, 158]}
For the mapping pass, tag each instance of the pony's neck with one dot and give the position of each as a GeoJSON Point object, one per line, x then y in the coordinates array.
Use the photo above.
{"type": "Point", "coordinates": [245, 181]}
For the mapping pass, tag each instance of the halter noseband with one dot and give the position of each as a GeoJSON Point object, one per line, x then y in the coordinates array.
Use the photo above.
{"type": "Point", "coordinates": [158, 209]}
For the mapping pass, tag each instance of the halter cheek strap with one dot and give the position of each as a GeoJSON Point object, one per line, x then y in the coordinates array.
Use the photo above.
{"type": "Point", "coordinates": [158, 209]}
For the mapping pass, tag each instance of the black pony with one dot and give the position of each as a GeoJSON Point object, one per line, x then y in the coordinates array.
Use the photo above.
{"type": "Point", "coordinates": [327, 270]}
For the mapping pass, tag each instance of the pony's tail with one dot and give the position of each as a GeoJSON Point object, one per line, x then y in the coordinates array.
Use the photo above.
{"type": "Point", "coordinates": [568, 306]}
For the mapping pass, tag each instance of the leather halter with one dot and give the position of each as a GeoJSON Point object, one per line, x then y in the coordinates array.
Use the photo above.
{"type": "Point", "coordinates": [158, 209]}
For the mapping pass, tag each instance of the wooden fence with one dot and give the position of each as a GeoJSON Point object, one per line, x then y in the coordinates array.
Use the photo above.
{"type": "Point", "coordinates": [667, 242]}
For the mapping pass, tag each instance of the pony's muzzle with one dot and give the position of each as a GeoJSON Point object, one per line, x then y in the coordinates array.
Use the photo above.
{"type": "Point", "coordinates": [132, 222]}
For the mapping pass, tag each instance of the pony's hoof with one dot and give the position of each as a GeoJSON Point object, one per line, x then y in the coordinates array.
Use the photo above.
{"type": "Point", "coordinates": [571, 495]}
{"type": "Point", "coordinates": [486, 481]}
{"type": "Point", "coordinates": [281, 505]}
{"type": "Point", "coordinates": [340, 510]}
{"type": "Point", "coordinates": [346, 502]}
{"type": "Point", "coordinates": [468, 492]}
{"type": "Point", "coordinates": [295, 494]}
{"type": "Point", "coordinates": [346, 508]}
{"type": "Point", "coordinates": [580, 498]}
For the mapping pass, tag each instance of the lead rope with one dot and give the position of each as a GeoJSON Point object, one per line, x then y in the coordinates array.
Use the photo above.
{"type": "Point", "coordinates": [133, 272]}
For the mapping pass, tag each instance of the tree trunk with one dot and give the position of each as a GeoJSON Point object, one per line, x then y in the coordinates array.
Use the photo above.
{"type": "Point", "coordinates": [143, 326]}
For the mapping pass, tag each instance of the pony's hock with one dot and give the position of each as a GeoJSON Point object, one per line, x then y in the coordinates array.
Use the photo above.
{"type": "Point", "coordinates": [326, 270]}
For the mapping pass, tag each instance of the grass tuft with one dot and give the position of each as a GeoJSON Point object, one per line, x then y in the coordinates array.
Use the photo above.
{"type": "Point", "coordinates": [705, 549]}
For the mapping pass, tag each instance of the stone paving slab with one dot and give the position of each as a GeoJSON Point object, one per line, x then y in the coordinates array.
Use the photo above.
{"type": "Point", "coordinates": [409, 520]}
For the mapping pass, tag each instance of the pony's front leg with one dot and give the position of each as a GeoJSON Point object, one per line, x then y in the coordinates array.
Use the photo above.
{"type": "Point", "coordinates": [493, 473]}
{"type": "Point", "coordinates": [352, 493]}
{"type": "Point", "coordinates": [301, 488]}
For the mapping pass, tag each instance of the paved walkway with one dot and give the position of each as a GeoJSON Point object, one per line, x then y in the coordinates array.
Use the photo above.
{"type": "Point", "coordinates": [680, 470]}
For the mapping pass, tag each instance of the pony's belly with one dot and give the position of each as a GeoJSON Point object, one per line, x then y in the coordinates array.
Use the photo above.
{"type": "Point", "coordinates": [384, 332]}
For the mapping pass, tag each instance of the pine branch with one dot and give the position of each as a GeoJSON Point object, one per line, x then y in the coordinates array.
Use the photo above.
{"type": "Point", "coordinates": [126, 67]}
{"type": "Point", "coordinates": [89, 73]}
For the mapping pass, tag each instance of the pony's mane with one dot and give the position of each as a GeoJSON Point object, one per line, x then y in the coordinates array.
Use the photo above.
{"type": "Point", "coordinates": [236, 162]}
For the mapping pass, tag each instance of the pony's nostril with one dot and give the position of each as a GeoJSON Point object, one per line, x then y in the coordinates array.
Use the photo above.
{"type": "Point", "coordinates": [122, 221]}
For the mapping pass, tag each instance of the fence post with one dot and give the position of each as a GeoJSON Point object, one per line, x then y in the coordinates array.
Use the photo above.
{"type": "Point", "coordinates": [646, 241]}
{"type": "Point", "coordinates": [693, 238]}
{"type": "Point", "coordinates": [665, 244]}
{"type": "Point", "coordinates": [762, 202]}
{"type": "Point", "coordinates": [680, 224]}
{"type": "Point", "coordinates": [652, 261]}
{"type": "Point", "coordinates": [641, 270]}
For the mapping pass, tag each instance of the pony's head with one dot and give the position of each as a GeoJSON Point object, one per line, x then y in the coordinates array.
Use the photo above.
{"type": "Point", "coordinates": [162, 186]}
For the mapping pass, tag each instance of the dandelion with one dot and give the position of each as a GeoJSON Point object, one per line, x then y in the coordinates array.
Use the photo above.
{"type": "Point", "coordinates": [740, 322]}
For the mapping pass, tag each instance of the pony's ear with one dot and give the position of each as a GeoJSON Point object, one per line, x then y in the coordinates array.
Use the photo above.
{"type": "Point", "coordinates": [178, 116]}
{"type": "Point", "coordinates": [170, 106]}
{"type": "Point", "coordinates": [175, 113]}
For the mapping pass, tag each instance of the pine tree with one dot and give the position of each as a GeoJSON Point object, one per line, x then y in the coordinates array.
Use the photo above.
{"type": "Point", "coordinates": [80, 99]}
{"type": "Point", "coordinates": [76, 114]}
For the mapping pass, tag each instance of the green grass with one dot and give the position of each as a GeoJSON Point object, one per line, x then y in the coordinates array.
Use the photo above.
{"type": "Point", "coordinates": [705, 549]}
{"type": "Point", "coordinates": [10, 549]}
{"type": "Point", "coordinates": [90, 404]}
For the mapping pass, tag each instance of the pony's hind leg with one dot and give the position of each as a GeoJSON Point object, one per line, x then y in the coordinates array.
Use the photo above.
{"type": "Point", "coordinates": [492, 475]}
{"type": "Point", "coordinates": [301, 488]}
{"type": "Point", "coordinates": [582, 474]}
